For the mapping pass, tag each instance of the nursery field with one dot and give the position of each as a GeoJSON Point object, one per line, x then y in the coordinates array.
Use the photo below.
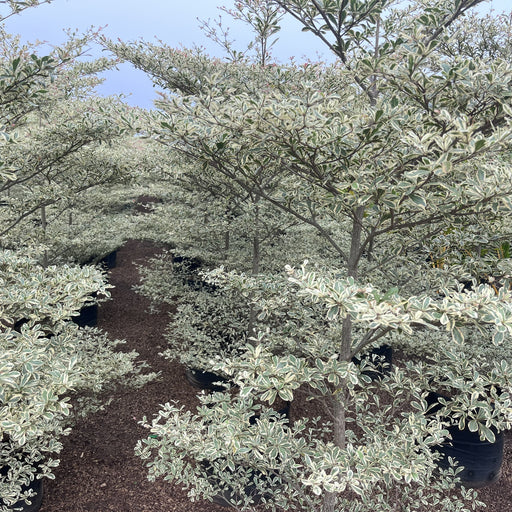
{"type": "Point", "coordinates": [311, 309]}
{"type": "Point", "coordinates": [99, 471]}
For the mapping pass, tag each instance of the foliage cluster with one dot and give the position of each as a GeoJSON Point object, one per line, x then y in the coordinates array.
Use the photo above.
{"type": "Point", "coordinates": [66, 160]}
{"type": "Point", "coordinates": [397, 158]}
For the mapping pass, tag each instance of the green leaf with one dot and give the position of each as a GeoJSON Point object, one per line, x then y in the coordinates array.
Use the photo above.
{"type": "Point", "coordinates": [246, 391]}
{"type": "Point", "coordinates": [488, 433]}
{"type": "Point", "coordinates": [473, 425]}
{"type": "Point", "coordinates": [479, 144]}
{"type": "Point", "coordinates": [458, 335]}
{"type": "Point", "coordinates": [15, 64]}
{"type": "Point", "coordinates": [333, 312]}
{"type": "Point", "coordinates": [418, 200]}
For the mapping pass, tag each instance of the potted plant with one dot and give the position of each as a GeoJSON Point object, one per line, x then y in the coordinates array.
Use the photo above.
{"type": "Point", "coordinates": [386, 144]}
{"type": "Point", "coordinates": [479, 459]}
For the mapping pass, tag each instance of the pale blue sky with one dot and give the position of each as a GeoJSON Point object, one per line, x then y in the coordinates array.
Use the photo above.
{"type": "Point", "coordinates": [173, 21]}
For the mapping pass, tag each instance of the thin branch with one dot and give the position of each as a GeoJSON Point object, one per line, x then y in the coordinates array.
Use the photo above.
{"type": "Point", "coordinates": [369, 338]}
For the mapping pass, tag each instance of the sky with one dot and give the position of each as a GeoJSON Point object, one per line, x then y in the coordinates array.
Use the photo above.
{"type": "Point", "coordinates": [173, 21]}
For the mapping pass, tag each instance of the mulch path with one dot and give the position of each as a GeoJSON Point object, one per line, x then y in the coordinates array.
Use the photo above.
{"type": "Point", "coordinates": [99, 471]}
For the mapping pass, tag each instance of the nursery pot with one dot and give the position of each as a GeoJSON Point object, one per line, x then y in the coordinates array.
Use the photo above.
{"type": "Point", "coordinates": [481, 460]}
{"type": "Point", "coordinates": [384, 353]}
{"type": "Point", "coordinates": [18, 326]}
{"type": "Point", "coordinates": [109, 261]}
{"type": "Point", "coordinates": [20, 323]}
{"type": "Point", "coordinates": [88, 316]}
{"type": "Point", "coordinates": [197, 284]}
{"type": "Point", "coordinates": [36, 501]}
{"type": "Point", "coordinates": [192, 264]}
{"type": "Point", "coordinates": [228, 496]}
{"type": "Point", "coordinates": [205, 380]}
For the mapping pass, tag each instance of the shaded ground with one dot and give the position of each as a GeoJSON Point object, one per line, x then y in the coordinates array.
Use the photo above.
{"type": "Point", "coordinates": [99, 471]}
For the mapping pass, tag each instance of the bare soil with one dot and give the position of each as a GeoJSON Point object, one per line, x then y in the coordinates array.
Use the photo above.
{"type": "Point", "coordinates": [99, 471]}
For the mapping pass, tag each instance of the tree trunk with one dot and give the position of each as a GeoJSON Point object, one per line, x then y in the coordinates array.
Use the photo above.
{"type": "Point", "coordinates": [256, 256]}
{"type": "Point", "coordinates": [226, 241]}
{"type": "Point", "coordinates": [339, 399]}
{"type": "Point", "coordinates": [44, 224]}
{"type": "Point", "coordinates": [329, 504]}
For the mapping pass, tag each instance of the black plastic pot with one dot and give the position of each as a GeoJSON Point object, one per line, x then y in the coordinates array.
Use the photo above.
{"type": "Point", "coordinates": [382, 366]}
{"type": "Point", "coordinates": [36, 486]}
{"type": "Point", "coordinates": [88, 316]}
{"type": "Point", "coordinates": [283, 411]}
{"type": "Point", "coordinates": [190, 264]}
{"type": "Point", "coordinates": [469, 286]}
{"type": "Point", "coordinates": [109, 261]}
{"type": "Point", "coordinates": [35, 501]}
{"type": "Point", "coordinates": [481, 460]}
{"type": "Point", "coordinates": [19, 324]}
{"type": "Point", "coordinates": [198, 284]}
{"type": "Point", "coordinates": [227, 497]}
{"type": "Point", "coordinates": [205, 380]}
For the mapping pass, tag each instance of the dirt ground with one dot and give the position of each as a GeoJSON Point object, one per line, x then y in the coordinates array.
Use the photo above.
{"type": "Point", "coordinates": [99, 471]}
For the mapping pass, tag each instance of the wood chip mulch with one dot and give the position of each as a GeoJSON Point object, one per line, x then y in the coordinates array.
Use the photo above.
{"type": "Point", "coordinates": [99, 471]}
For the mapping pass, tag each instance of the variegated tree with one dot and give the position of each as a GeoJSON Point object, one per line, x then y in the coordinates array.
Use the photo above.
{"type": "Point", "coordinates": [61, 142]}
{"type": "Point", "coordinates": [47, 121]}
{"type": "Point", "coordinates": [397, 154]}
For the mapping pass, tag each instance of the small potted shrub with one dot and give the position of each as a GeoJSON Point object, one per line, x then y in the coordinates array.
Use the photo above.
{"type": "Point", "coordinates": [475, 411]}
